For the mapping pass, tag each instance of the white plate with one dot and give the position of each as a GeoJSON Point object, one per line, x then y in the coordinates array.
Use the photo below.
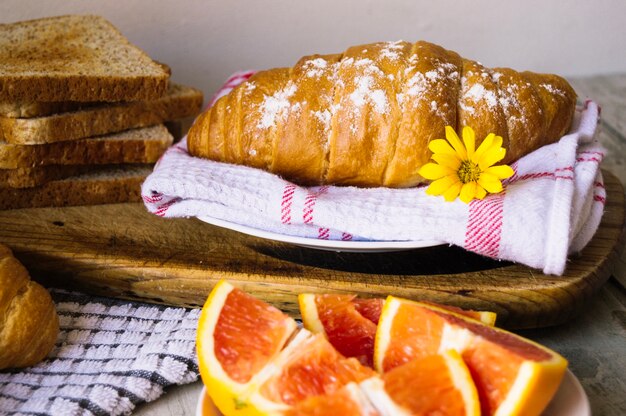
{"type": "Point", "coordinates": [569, 400]}
{"type": "Point", "coordinates": [330, 245]}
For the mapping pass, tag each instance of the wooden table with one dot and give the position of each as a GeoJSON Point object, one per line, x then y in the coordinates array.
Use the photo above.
{"type": "Point", "coordinates": [595, 341]}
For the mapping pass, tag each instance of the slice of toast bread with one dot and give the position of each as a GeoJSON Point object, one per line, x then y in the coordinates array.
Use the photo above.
{"type": "Point", "coordinates": [75, 58]}
{"type": "Point", "coordinates": [26, 109]}
{"type": "Point", "coordinates": [112, 185]}
{"type": "Point", "coordinates": [31, 177]}
{"type": "Point", "coordinates": [179, 102]}
{"type": "Point", "coordinates": [39, 175]}
{"type": "Point", "coordinates": [143, 145]}
{"type": "Point", "coordinates": [30, 109]}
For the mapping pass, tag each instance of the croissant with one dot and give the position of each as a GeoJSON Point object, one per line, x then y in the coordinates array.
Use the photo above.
{"type": "Point", "coordinates": [29, 323]}
{"type": "Point", "coordinates": [365, 117]}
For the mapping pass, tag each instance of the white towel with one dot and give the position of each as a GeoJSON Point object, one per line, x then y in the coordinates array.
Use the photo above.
{"type": "Point", "coordinates": [110, 355]}
{"type": "Point", "coordinates": [551, 207]}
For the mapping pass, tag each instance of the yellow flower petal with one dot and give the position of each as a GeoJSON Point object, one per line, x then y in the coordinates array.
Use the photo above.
{"type": "Point", "coordinates": [501, 172]}
{"type": "Point", "coordinates": [469, 139]}
{"type": "Point", "coordinates": [434, 171]}
{"type": "Point", "coordinates": [441, 146]}
{"type": "Point", "coordinates": [451, 161]}
{"type": "Point", "coordinates": [456, 142]}
{"type": "Point", "coordinates": [491, 183]}
{"type": "Point", "coordinates": [484, 146]}
{"type": "Point", "coordinates": [480, 192]}
{"type": "Point", "coordinates": [456, 164]}
{"type": "Point", "coordinates": [440, 186]}
{"type": "Point", "coordinates": [468, 192]}
{"type": "Point", "coordinates": [497, 141]}
{"type": "Point", "coordinates": [452, 192]}
{"type": "Point", "coordinates": [491, 156]}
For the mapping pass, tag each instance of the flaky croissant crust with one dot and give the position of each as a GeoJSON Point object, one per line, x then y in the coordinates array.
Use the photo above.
{"type": "Point", "coordinates": [365, 117]}
{"type": "Point", "coordinates": [29, 323]}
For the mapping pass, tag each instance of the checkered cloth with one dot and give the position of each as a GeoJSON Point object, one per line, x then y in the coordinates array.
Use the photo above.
{"type": "Point", "coordinates": [110, 356]}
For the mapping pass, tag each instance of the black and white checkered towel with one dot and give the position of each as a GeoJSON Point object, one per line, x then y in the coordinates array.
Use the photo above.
{"type": "Point", "coordinates": [110, 355]}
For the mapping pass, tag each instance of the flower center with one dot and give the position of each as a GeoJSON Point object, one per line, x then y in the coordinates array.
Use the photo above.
{"type": "Point", "coordinates": [468, 171]}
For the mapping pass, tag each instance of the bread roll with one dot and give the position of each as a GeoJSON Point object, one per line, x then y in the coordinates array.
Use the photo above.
{"type": "Point", "coordinates": [29, 323]}
{"type": "Point", "coordinates": [365, 117]}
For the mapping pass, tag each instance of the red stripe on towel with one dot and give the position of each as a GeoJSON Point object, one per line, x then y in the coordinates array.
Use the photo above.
{"type": "Point", "coordinates": [484, 225]}
{"type": "Point", "coordinates": [601, 154]}
{"type": "Point", "coordinates": [514, 177]}
{"type": "Point", "coordinates": [152, 199]}
{"type": "Point", "coordinates": [286, 203]}
{"type": "Point", "coordinates": [538, 175]}
{"type": "Point", "coordinates": [162, 209]}
{"type": "Point", "coordinates": [599, 198]}
{"type": "Point", "coordinates": [307, 212]}
{"type": "Point", "coordinates": [309, 204]}
{"type": "Point", "coordinates": [323, 234]}
{"type": "Point", "coordinates": [588, 159]}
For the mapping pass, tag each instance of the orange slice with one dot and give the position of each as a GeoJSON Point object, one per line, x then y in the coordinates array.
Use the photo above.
{"type": "Point", "coordinates": [349, 400]}
{"type": "Point", "coordinates": [369, 308]}
{"type": "Point", "coordinates": [350, 323]}
{"type": "Point", "coordinates": [433, 385]}
{"type": "Point", "coordinates": [314, 368]}
{"type": "Point", "coordinates": [486, 317]}
{"type": "Point", "coordinates": [513, 375]}
{"type": "Point", "coordinates": [345, 327]}
{"type": "Point", "coordinates": [238, 339]}
{"type": "Point", "coordinates": [253, 360]}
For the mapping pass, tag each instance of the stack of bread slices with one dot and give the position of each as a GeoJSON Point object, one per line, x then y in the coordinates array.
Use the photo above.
{"type": "Point", "coordinates": [82, 113]}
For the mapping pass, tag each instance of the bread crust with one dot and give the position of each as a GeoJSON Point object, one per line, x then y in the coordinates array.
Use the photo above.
{"type": "Point", "coordinates": [144, 145]}
{"type": "Point", "coordinates": [75, 58]}
{"type": "Point", "coordinates": [29, 109]}
{"type": "Point", "coordinates": [382, 104]}
{"type": "Point", "coordinates": [361, 135]}
{"type": "Point", "coordinates": [301, 152]}
{"type": "Point", "coordinates": [115, 184]}
{"type": "Point", "coordinates": [423, 121]}
{"type": "Point", "coordinates": [179, 102]}
{"type": "Point", "coordinates": [31, 177]}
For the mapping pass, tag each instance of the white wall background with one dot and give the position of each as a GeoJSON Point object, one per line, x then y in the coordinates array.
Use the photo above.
{"type": "Point", "coordinates": [205, 40]}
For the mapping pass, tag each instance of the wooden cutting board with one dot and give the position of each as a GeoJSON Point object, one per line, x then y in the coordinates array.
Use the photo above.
{"type": "Point", "coordinates": [122, 251]}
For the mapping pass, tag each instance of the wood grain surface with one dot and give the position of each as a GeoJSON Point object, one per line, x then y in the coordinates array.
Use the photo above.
{"type": "Point", "coordinates": [594, 340]}
{"type": "Point", "coordinates": [121, 250]}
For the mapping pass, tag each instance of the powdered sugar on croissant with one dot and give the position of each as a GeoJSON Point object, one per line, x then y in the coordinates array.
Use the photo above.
{"type": "Point", "coordinates": [365, 117]}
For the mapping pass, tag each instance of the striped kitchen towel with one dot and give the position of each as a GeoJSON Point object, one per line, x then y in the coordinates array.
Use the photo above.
{"type": "Point", "coordinates": [110, 356]}
{"type": "Point", "coordinates": [549, 209]}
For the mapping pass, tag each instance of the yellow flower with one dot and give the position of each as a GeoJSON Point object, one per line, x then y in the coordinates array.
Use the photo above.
{"type": "Point", "coordinates": [462, 170]}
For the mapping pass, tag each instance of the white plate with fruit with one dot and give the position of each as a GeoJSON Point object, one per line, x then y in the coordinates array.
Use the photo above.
{"type": "Point", "coordinates": [373, 356]}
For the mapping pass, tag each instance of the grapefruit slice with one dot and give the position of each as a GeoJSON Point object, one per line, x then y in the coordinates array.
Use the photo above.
{"type": "Point", "coordinates": [349, 323]}
{"type": "Point", "coordinates": [349, 400]}
{"type": "Point", "coordinates": [486, 317]}
{"type": "Point", "coordinates": [369, 308]}
{"type": "Point", "coordinates": [238, 338]}
{"type": "Point", "coordinates": [254, 361]}
{"type": "Point", "coordinates": [433, 385]}
{"type": "Point", "coordinates": [513, 375]}
{"type": "Point", "coordinates": [314, 369]}
{"type": "Point", "coordinates": [341, 320]}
